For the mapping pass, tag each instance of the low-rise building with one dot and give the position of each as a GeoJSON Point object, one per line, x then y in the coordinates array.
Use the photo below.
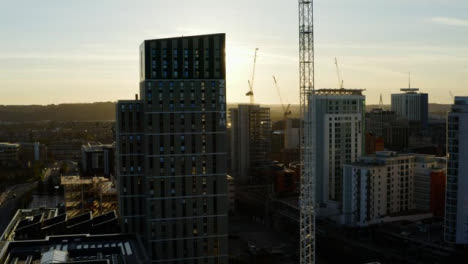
{"type": "Point", "coordinates": [9, 154]}
{"type": "Point", "coordinates": [377, 186]}
{"type": "Point", "coordinates": [44, 235]}
{"type": "Point", "coordinates": [76, 248]}
{"type": "Point", "coordinates": [38, 223]}
{"type": "Point", "coordinates": [429, 184]}
{"type": "Point", "coordinates": [97, 159]}
{"type": "Point", "coordinates": [97, 195]}
{"type": "Point", "coordinates": [374, 143]}
{"type": "Point", "coordinates": [65, 150]}
{"type": "Point", "coordinates": [32, 151]}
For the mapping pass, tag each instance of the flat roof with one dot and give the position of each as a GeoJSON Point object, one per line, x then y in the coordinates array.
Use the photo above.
{"type": "Point", "coordinates": [6, 144]}
{"type": "Point", "coordinates": [335, 91]}
{"type": "Point", "coordinates": [80, 248]}
{"type": "Point", "coordinates": [409, 90]}
{"type": "Point", "coordinates": [181, 37]}
{"type": "Point", "coordinates": [96, 147]}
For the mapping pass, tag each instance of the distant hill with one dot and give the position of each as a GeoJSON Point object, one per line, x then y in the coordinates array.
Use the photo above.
{"type": "Point", "coordinates": [434, 109]}
{"type": "Point", "coordinates": [106, 111]}
{"type": "Point", "coordinates": [62, 112]}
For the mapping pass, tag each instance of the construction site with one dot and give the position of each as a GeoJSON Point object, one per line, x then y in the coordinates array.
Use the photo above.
{"type": "Point", "coordinates": [97, 195]}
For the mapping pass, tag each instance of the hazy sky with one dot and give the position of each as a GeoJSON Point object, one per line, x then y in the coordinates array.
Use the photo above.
{"type": "Point", "coordinates": [56, 51]}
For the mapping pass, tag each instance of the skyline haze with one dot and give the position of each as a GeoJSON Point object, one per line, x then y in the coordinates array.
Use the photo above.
{"type": "Point", "coordinates": [73, 52]}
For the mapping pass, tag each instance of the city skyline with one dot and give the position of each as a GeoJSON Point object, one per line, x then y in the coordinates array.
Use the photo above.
{"type": "Point", "coordinates": [71, 49]}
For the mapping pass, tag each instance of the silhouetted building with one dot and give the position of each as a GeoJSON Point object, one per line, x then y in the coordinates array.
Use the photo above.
{"type": "Point", "coordinates": [429, 170]}
{"type": "Point", "coordinates": [65, 150]}
{"type": "Point", "coordinates": [292, 134]}
{"type": "Point", "coordinates": [290, 155]}
{"type": "Point", "coordinates": [438, 186]}
{"type": "Point", "coordinates": [32, 151]}
{"type": "Point", "coordinates": [377, 119]}
{"type": "Point", "coordinates": [97, 159]}
{"type": "Point", "coordinates": [171, 151]}
{"type": "Point", "coordinates": [250, 140]}
{"type": "Point", "coordinates": [396, 134]}
{"type": "Point", "coordinates": [393, 129]}
{"type": "Point", "coordinates": [231, 193]}
{"type": "Point", "coordinates": [456, 214]}
{"type": "Point", "coordinates": [412, 105]}
{"type": "Point", "coordinates": [284, 181]}
{"type": "Point", "coordinates": [9, 154]}
{"type": "Point", "coordinates": [374, 143]}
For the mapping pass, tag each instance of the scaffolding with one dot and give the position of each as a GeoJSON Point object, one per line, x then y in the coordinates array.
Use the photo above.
{"type": "Point", "coordinates": [96, 194]}
{"type": "Point", "coordinates": [259, 135]}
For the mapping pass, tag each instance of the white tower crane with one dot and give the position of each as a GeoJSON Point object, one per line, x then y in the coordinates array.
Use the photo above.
{"type": "Point", "coordinates": [307, 133]}
{"type": "Point", "coordinates": [250, 93]}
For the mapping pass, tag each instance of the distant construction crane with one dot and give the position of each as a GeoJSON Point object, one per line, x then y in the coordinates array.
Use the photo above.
{"type": "Point", "coordinates": [286, 112]}
{"type": "Point", "coordinates": [338, 73]}
{"type": "Point", "coordinates": [381, 102]}
{"type": "Point", "coordinates": [250, 93]}
{"type": "Point", "coordinates": [307, 132]}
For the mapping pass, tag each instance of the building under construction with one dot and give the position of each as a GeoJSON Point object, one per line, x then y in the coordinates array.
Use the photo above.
{"type": "Point", "coordinates": [250, 140]}
{"type": "Point", "coordinates": [97, 195]}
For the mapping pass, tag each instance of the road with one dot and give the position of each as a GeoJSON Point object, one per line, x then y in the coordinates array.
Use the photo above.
{"type": "Point", "coordinates": [13, 191]}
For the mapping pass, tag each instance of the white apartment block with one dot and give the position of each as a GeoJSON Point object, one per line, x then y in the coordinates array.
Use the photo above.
{"type": "Point", "coordinates": [337, 116]}
{"type": "Point", "coordinates": [377, 186]}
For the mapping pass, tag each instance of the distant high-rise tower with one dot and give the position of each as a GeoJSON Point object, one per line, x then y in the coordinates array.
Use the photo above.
{"type": "Point", "coordinates": [250, 140]}
{"type": "Point", "coordinates": [412, 105]}
{"type": "Point", "coordinates": [456, 214]}
{"type": "Point", "coordinates": [339, 126]}
{"type": "Point", "coordinates": [171, 151]}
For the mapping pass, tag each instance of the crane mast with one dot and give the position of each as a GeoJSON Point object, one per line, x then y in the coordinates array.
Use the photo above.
{"type": "Point", "coordinates": [250, 93]}
{"type": "Point", "coordinates": [286, 112]}
{"type": "Point", "coordinates": [338, 73]}
{"type": "Point", "coordinates": [307, 132]}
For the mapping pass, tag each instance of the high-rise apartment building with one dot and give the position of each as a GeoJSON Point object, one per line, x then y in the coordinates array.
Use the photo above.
{"type": "Point", "coordinates": [456, 213]}
{"type": "Point", "coordinates": [171, 151]}
{"type": "Point", "coordinates": [412, 105]}
{"type": "Point", "coordinates": [338, 118]}
{"type": "Point", "coordinates": [250, 140]}
{"type": "Point", "coordinates": [376, 186]}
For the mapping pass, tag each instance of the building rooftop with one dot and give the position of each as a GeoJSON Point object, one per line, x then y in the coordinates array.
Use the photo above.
{"type": "Point", "coordinates": [81, 248]}
{"type": "Point", "coordinates": [379, 158]}
{"type": "Point", "coordinates": [42, 222]}
{"type": "Point", "coordinates": [9, 145]}
{"type": "Point", "coordinates": [96, 147]}
{"type": "Point", "coordinates": [409, 90]}
{"type": "Point", "coordinates": [460, 104]}
{"type": "Point", "coordinates": [23, 216]}
{"type": "Point", "coordinates": [194, 36]}
{"type": "Point", "coordinates": [332, 91]}
{"type": "Point", "coordinates": [381, 111]}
